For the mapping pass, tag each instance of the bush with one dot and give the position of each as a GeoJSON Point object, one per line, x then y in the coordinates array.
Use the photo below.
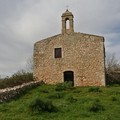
{"type": "Point", "coordinates": [94, 89]}
{"type": "Point", "coordinates": [64, 86]}
{"type": "Point", "coordinates": [39, 105]}
{"type": "Point", "coordinates": [113, 78]}
{"type": "Point", "coordinates": [16, 79]}
{"type": "Point", "coordinates": [95, 106]}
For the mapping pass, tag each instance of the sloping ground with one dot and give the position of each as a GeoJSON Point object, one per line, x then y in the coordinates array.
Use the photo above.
{"type": "Point", "coordinates": [82, 103]}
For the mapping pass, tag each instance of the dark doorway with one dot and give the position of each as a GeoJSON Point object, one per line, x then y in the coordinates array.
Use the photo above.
{"type": "Point", "coordinates": [69, 76]}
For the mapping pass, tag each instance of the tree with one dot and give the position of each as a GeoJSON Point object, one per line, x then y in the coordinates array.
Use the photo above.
{"type": "Point", "coordinates": [112, 69]}
{"type": "Point", "coordinates": [29, 64]}
{"type": "Point", "coordinates": [112, 63]}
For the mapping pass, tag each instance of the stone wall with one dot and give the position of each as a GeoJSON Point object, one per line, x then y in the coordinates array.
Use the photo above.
{"type": "Point", "coordinates": [9, 93]}
{"type": "Point", "coordinates": [84, 54]}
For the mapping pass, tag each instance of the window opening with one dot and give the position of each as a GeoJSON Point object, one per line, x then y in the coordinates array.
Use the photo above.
{"type": "Point", "coordinates": [67, 24]}
{"type": "Point", "coordinates": [58, 52]}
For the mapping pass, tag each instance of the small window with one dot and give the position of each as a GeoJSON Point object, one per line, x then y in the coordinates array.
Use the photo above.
{"type": "Point", "coordinates": [58, 52]}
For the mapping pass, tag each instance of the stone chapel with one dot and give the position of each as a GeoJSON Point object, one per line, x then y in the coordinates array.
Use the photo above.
{"type": "Point", "coordinates": [70, 56]}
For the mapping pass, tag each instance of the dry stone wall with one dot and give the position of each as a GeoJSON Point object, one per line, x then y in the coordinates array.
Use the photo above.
{"type": "Point", "coordinates": [9, 93]}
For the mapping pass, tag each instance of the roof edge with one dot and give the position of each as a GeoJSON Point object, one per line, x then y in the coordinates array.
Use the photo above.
{"type": "Point", "coordinates": [68, 35]}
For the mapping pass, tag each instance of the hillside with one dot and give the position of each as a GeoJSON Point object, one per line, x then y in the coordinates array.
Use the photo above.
{"type": "Point", "coordinates": [81, 103]}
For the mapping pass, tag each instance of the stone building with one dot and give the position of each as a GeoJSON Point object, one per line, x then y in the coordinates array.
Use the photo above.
{"type": "Point", "coordinates": [70, 56]}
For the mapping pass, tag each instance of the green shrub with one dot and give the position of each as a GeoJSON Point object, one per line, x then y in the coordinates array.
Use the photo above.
{"type": "Point", "coordinates": [94, 89]}
{"type": "Point", "coordinates": [34, 105]}
{"type": "Point", "coordinates": [16, 79]}
{"type": "Point", "coordinates": [38, 105]}
{"type": "Point", "coordinates": [95, 106]}
{"type": "Point", "coordinates": [49, 107]}
{"type": "Point", "coordinates": [64, 86]}
{"type": "Point", "coordinates": [113, 78]}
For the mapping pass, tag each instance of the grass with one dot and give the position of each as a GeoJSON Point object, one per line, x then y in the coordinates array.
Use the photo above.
{"type": "Point", "coordinates": [80, 103]}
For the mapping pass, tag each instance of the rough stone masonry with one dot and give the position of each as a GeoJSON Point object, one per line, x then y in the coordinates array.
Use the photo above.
{"type": "Point", "coordinates": [70, 56]}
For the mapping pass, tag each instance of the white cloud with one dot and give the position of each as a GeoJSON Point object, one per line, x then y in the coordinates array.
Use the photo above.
{"type": "Point", "coordinates": [22, 23]}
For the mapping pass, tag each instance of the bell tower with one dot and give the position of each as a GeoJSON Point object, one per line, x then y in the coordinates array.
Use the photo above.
{"type": "Point", "coordinates": [67, 22]}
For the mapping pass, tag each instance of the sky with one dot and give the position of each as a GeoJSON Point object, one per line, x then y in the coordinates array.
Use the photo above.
{"type": "Point", "coordinates": [24, 22]}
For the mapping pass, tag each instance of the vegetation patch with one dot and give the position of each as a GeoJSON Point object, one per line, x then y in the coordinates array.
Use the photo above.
{"type": "Point", "coordinates": [16, 79]}
{"type": "Point", "coordinates": [64, 104]}
{"type": "Point", "coordinates": [44, 91]}
{"type": "Point", "coordinates": [95, 106]}
{"type": "Point", "coordinates": [94, 89]}
{"type": "Point", "coordinates": [56, 96]}
{"type": "Point", "coordinates": [72, 99]}
{"type": "Point", "coordinates": [64, 86]}
{"type": "Point", "coordinates": [76, 91]}
{"type": "Point", "coordinates": [113, 98]}
{"type": "Point", "coordinates": [38, 105]}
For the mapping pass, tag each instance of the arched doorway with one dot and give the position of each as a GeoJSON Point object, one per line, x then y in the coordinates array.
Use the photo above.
{"type": "Point", "coordinates": [69, 76]}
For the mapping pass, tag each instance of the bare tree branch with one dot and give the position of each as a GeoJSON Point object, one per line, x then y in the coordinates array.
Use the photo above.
{"type": "Point", "coordinates": [29, 64]}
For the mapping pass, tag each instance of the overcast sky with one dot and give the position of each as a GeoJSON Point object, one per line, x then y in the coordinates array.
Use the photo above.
{"type": "Point", "coordinates": [24, 22]}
